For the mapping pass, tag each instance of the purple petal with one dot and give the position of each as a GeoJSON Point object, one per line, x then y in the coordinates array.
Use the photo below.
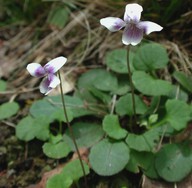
{"type": "Point", "coordinates": [44, 86]}
{"type": "Point", "coordinates": [54, 81]}
{"type": "Point", "coordinates": [112, 23]}
{"type": "Point", "coordinates": [132, 13]}
{"type": "Point", "coordinates": [149, 27]}
{"type": "Point", "coordinates": [36, 70]}
{"type": "Point", "coordinates": [55, 64]}
{"type": "Point", "coordinates": [49, 83]}
{"type": "Point", "coordinates": [132, 35]}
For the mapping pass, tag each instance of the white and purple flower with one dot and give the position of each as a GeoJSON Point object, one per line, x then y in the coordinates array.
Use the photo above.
{"type": "Point", "coordinates": [50, 81]}
{"type": "Point", "coordinates": [134, 28]}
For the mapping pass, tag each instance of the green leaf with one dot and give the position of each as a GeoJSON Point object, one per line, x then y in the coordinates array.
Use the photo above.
{"type": "Point", "coordinates": [108, 158]}
{"type": "Point", "coordinates": [41, 128]}
{"type": "Point", "coordinates": [178, 93]}
{"type": "Point", "coordinates": [24, 129]}
{"type": "Point", "coordinates": [60, 115]}
{"type": "Point", "coordinates": [123, 85]}
{"type": "Point", "coordinates": [57, 181]}
{"type": "Point", "coordinates": [3, 85]}
{"type": "Point", "coordinates": [143, 142]}
{"type": "Point", "coordinates": [8, 109]}
{"type": "Point", "coordinates": [58, 17]}
{"type": "Point", "coordinates": [124, 105]}
{"type": "Point", "coordinates": [104, 97]}
{"type": "Point", "coordinates": [174, 162]}
{"type": "Point", "coordinates": [112, 127]}
{"type": "Point", "coordinates": [29, 128]}
{"type": "Point", "coordinates": [53, 105]}
{"type": "Point", "coordinates": [147, 85]}
{"type": "Point", "coordinates": [150, 57]}
{"type": "Point", "coordinates": [86, 134]}
{"type": "Point", "coordinates": [145, 161]}
{"type": "Point", "coordinates": [184, 80]}
{"type": "Point", "coordinates": [56, 151]}
{"type": "Point", "coordinates": [74, 170]}
{"type": "Point", "coordinates": [132, 165]}
{"type": "Point", "coordinates": [116, 60]}
{"type": "Point", "coordinates": [99, 78]}
{"type": "Point", "coordinates": [71, 172]}
{"type": "Point", "coordinates": [178, 113]}
{"type": "Point", "coordinates": [105, 81]}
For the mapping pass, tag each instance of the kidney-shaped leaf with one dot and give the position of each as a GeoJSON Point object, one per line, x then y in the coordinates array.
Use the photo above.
{"type": "Point", "coordinates": [124, 105]}
{"type": "Point", "coordinates": [108, 158]}
{"type": "Point", "coordinates": [116, 60]}
{"type": "Point", "coordinates": [174, 162]}
{"type": "Point", "coordinates": [184, 80]}
{"type": "Point", "coordinates": [50, 106]}
{"type": "Point", "coordinates": [106, 81]}
{"type": "Point", "coordinates": [58, 181]}
{"type": "Point", "coordinates": [74, 170]}
{"type": "Point", "coordinates": [71, 172]}
{"type": "Point", "coordinates": [147, 85]}
{"type": "Point", "coordinates": [29, 128]}
{"type": "Point", "coordinates": [3, 85]}
{"type": "Point", "coordinates": [144, 142]}
{"type": "Point", "coordinates": [25, 130]}
{"type": "Point", "coordinates": [150, 57]}
{"type": "Point", "coordinates": [112, 127]}
{"type": "Point", "coordinates": [8, 109]}
{"type": "Point", "coordinates": [86, 134]}
{"type": "Point", "coordinates": [57, 150]}
{"type": "Point", "coordinates": [178, 113]}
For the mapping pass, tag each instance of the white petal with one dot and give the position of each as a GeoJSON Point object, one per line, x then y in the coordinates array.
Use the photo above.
{"type": "Point", "coordinates": [149, 27]}
{"type": "Point", "coordinates": [35, 69]}
{"type": "Point", "coordinates": [54, 81]}
{"type": "Point", "coordinates": [44, 86]}
{"type": "Point", "coordinates": [132, 35]}
{"type": "Point", "coordinates": [112, 23]}
{"type": "Point", "coordinates": [49, 83]}
{"type": "Point", "coordinates": [55, 64]}
{"type": "Point", "coordinates": [133, 12]}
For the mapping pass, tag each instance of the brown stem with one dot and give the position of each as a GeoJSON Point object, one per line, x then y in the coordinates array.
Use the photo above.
{"type": "Point", "coordinates": [71, 130]}
{"type": "Point", "coordinates": [132, 89]}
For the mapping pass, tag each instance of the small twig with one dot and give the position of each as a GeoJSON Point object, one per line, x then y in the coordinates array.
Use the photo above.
{"type": "Point", "coordinates": [113, 103]}
{"type": "Point", "coordinates": [161, 139]}
{"type": "Point", "coordinates": [18, 91]}
{"type": "Point", "coordinates": [9, 123]}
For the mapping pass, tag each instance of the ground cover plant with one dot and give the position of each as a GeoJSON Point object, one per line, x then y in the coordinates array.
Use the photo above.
{"type": "Point", "coordinates": [117, 114]}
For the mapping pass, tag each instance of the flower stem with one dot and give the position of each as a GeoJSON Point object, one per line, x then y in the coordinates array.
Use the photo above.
{"type": "Point", "coordinates": [132, 89]}
{"type": "Point", "coordinates": [71, 130]}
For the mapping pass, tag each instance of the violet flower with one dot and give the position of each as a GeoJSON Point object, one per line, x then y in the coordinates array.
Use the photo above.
{"type": "Point", "coordinates": [50, 81]}
{"type": "Point", "coordinates": [134, 28]}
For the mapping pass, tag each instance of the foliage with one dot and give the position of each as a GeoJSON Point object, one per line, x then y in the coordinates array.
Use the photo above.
{"type": "Point", "coordinates": [115, 146]}
{"type": "Point", "coordinates": [8, 109]}
{"type": "Point", "coordinates": [100, 110]}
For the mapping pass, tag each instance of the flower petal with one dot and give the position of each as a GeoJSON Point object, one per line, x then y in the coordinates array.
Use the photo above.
{"type": "Point", "coordinates": [49, 83]}
{"type": "Point", "coordinates": [133, 12]}
{"type": "Point", "coordinates": [55, 64]}
{"type": "Point", "coordinates": [112, 23]}
{"type": "Point", "coordinates": [36, 70]}
{"type": "Point", "coordinates": [149, 27]}
{"type": "Point", "coordinates": [132, 35]}
{"type": "Point", "coordinates": [44, 86]}
{"type": "Point", "coordinates": [54, 81]}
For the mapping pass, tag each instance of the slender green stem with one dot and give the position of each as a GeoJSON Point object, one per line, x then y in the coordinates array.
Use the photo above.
{"type": "Point", "coordinates": [132, 89]}
{"type": "Point", "coordinates": [71, 130]}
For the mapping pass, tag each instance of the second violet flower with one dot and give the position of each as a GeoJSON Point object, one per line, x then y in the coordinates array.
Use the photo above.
{"type": "Point", "coordinates": [134, 28]}
{"type": "Point", "coordinates": [50, 81]}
